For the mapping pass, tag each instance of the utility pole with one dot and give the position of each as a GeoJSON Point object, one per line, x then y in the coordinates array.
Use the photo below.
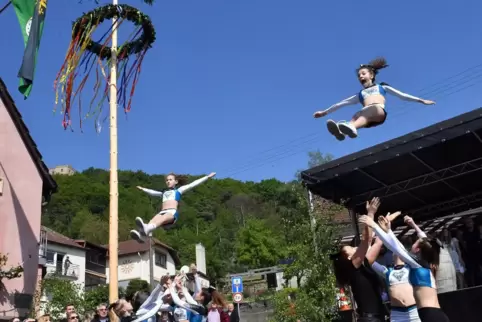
{"type": "Point", "coordinates": [151, 262]}
{"type": "Point", "coordinates": [113, 183]}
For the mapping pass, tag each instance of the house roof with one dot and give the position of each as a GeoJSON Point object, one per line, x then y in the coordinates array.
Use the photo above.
{"type": "Point", "coordinates": [429, 173]}
{"type": "Point", "coordinates": [87, 244]}
{"type": "Point", "coordinates": [131, 247]}
{"type": "Point", "coordinates": [49, 184]}
{"type": "Point", "coordinates": [58, 238]}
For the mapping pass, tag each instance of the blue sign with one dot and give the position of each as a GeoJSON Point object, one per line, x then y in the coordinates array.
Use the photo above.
{"type": "Point", "coordinates": [237, 284]}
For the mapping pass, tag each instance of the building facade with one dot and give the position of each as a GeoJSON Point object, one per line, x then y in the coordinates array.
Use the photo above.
{"type": "Point", "coordinates": [25, 184]}
{"type": "Point", "coordinates": [95, 264]}
{"type": "Point", "coordinates": [134, 261]}
{"type": "Point", "coordinates": [64, 258]}
{"type": "Point", "coordinates": [62, 170]}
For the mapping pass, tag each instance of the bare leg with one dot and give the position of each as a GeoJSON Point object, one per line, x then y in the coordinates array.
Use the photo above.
{"type": "Point", "coordinates": [144, 230]}
{"type": "Point", "coordinates": [161, 220]}
{"type": "Point", "coordinates": [369, 115]}
{"type": "Point", "coordinates": [372, 114]}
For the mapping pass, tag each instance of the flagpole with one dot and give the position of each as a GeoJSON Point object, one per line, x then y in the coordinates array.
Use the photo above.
{"type": "Point", "coordinates": [114, 193]}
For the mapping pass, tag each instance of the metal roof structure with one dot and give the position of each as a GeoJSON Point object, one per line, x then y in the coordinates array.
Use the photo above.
{"type": "Point", "coordinates": [430, 173]}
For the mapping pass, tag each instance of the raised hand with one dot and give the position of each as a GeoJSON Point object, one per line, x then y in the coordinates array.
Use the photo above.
{"type": "Point", "coordinates": [384, 223]}
{"type": "Point", "coordinates": [319, 114]}
{"type": "Point", "coordinates": [367, 220]}
{"type": "Point", "coordinates": [373, 205]}
{"type": "Point", "coordinates": [428, 102]}
{"type": "Point", "coordinates": [408, 220]}
{"type": "Point", "coordinates": [392, 217]}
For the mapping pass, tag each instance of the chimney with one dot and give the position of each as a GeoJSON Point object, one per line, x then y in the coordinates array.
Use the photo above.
{"type": "Point", "coordinates": [201, 258]}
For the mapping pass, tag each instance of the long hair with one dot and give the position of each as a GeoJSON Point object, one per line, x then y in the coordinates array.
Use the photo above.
{"type": "Point", "coordinates": [430, 252]}
{"type": "Point", "coordinates": [181, 179]}
{"type": "Point", "coordinates": [343, 268]}
{"type": "Point", "coordinates": [374, 66]}
{"type": "Point", "coordinates": [218, 299]}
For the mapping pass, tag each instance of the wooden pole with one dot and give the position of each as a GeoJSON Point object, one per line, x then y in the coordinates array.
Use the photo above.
{"type": "Point", "coordinates": [114, 193]}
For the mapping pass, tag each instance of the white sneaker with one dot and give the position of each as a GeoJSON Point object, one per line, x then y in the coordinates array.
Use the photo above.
{"type": "Point", "coordinates": [141, 227]}
{"type": "Point", "coordinates": [137, 236]}
{"type": "Point", "coordinates": [348, 129]}
{"type": "Point", "coordinates": [334, 130]}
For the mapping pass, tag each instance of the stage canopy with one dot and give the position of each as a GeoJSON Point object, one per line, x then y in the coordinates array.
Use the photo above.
{"type": "Point", "coordinates": [430, 173]}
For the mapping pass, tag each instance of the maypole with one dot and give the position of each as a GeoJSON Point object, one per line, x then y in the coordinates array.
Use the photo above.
{"type": "Point", "coordinates": [112, 65]}
{"type": "Point", "coordinates": [114, 193]}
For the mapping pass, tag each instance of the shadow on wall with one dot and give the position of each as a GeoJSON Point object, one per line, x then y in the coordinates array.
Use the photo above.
{"type": "Point", "coordinates": [29, 253]}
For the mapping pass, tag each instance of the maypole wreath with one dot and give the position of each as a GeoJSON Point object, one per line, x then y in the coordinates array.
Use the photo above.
{"type": "Point", "coordinates": [84, 53]}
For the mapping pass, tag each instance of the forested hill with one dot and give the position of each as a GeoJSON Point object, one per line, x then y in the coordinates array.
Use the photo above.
{"type": "Point", "coordinates": [240, 223]}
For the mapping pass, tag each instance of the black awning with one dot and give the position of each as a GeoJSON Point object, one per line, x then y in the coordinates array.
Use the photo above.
{"type": "Point", "coordinates": [428, 173]}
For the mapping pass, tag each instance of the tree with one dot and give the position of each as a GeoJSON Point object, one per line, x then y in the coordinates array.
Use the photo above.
{"type": "Point", "coordinates": [310, 240]}
{"type": "Point", "coordinates": [211, 214]}
{"type": "Point", "coordinates": [98, 295]}
{"type": "Point", "coordinates": [258, 246]}
{"type": "Point", "coordinates": [315, 158]}
{"type": "Point", "coordinates": [136, 285]}
{"type": "Point", "coordinates": [60, 293]}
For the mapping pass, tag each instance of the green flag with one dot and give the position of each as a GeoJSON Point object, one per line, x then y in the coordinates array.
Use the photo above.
{"type": "Point", "coordinates": [31, 16]}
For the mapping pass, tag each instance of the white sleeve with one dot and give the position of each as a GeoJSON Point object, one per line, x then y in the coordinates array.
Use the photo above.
{"type": "Point", "coordinates": [380, 269]}
{"type": "Point", "coordinates": [401, 95]}
{"type": "Point", "coordinates": [352, 100]}
{"type": "Point", "coordinates": [191, 185]}
{"type": "Point", "coordinates": [390, 241]}
{"type": "Point", "coordinates": [151, 192]}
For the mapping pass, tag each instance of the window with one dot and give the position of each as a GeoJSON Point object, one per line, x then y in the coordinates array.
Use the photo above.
{"type": "Point", "coordinates": [160, 259]}
{"type": "Point", "coordinates": [50, 256]}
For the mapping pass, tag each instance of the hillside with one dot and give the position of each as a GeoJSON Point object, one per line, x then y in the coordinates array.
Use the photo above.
{"type": "Point", "coordinates": [240, 223]}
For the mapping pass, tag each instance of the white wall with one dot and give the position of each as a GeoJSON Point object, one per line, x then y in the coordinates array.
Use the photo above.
{"type": "Point", "coordinates": [136, 265]}
{"type": "Point", "coordinates": [76, 256]}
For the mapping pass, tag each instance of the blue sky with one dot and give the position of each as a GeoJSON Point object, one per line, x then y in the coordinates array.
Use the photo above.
{"type": "Point", "coordinates": [231, 86]}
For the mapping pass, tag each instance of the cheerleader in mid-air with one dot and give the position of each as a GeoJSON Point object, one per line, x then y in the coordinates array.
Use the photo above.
{"type": "Point", "coordinates": [170, 202]}
{"type": "Point", "coordinates": [372, 97]}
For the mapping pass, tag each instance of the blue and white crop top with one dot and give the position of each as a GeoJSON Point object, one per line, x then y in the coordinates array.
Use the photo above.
{"type": "Point", "coordinates": [420, 275]}
{"type": "Point", "coordinates": [175, 193]}
{"type": "Point", "coordinates": [393, 275]}
{"type": "Point", "coordinates": [376, 89]}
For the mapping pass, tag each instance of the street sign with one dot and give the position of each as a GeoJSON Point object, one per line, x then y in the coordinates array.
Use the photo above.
{"type": "Point", "coordinates": [237, 284]}
{"type": "Point", "coordinates": [237, 297]}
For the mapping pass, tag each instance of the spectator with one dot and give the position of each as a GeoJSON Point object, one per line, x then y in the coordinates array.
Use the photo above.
{"type": "Point", "coordinates": [69, 308]}
{"type": "Point", "coordinates": [44, 318]}
{"type": "Point", "coordinates": [471, 238]}
{"type": "Point", "coordinates": [233, 313]}
{"type": "Point", "coordinates": [101, 313]}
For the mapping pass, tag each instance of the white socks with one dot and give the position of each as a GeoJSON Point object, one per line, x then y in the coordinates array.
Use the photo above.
{"type": "Point", "coordinates": [148, 228]}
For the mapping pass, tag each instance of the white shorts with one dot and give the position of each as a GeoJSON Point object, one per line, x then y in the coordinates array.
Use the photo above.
{"type": "Point", "coordinates": [411, 315]}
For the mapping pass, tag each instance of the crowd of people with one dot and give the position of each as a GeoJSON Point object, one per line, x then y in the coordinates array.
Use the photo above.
{"type": "Point", "coordinates": [411, 277]}
{"type": "Point", "coordinates": [170, 301]}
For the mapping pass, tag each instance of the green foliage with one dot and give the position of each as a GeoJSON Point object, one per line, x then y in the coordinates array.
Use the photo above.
{"type": "Point", "coordinates": [309, 240]}
{"type": "Point", "coordinates": [284, 307]}
{"type": "Point", "coordinates": [98, 295]}
{"type": "Point", "coordinates": [136, 285]}
{"type": "Point", "coordinates": [216, 214]}
{"type": "Point", "coordinates": [60, 293]}
{"type": "Point", "coordinates": [12, 272]}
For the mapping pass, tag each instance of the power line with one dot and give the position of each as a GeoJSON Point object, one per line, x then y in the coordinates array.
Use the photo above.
{"type": "Point", "coordinates": [443, 91]}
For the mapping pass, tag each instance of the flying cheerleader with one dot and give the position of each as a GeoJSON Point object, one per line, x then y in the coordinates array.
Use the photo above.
{"type": "Point", "coordinates": [168, 216]}
{"type": "Point", "coordinates": [372, 97]}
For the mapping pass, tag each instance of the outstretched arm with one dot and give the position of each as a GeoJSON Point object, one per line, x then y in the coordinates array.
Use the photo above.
{"type": "Point", "coordinates": [409, 221]}
{"type": "Point", "coordinates": [361, 252]}
{"type": "Point", "coordinates": [390, 241]}
{"type": "Point", "coordinates": [150, 192]}
{"type": "Point", "coordinates": [195, 183]}
{"type": "Point", "coordinates": [405, 96]}
{"type": "Point", "coordinates": [352, 100]}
